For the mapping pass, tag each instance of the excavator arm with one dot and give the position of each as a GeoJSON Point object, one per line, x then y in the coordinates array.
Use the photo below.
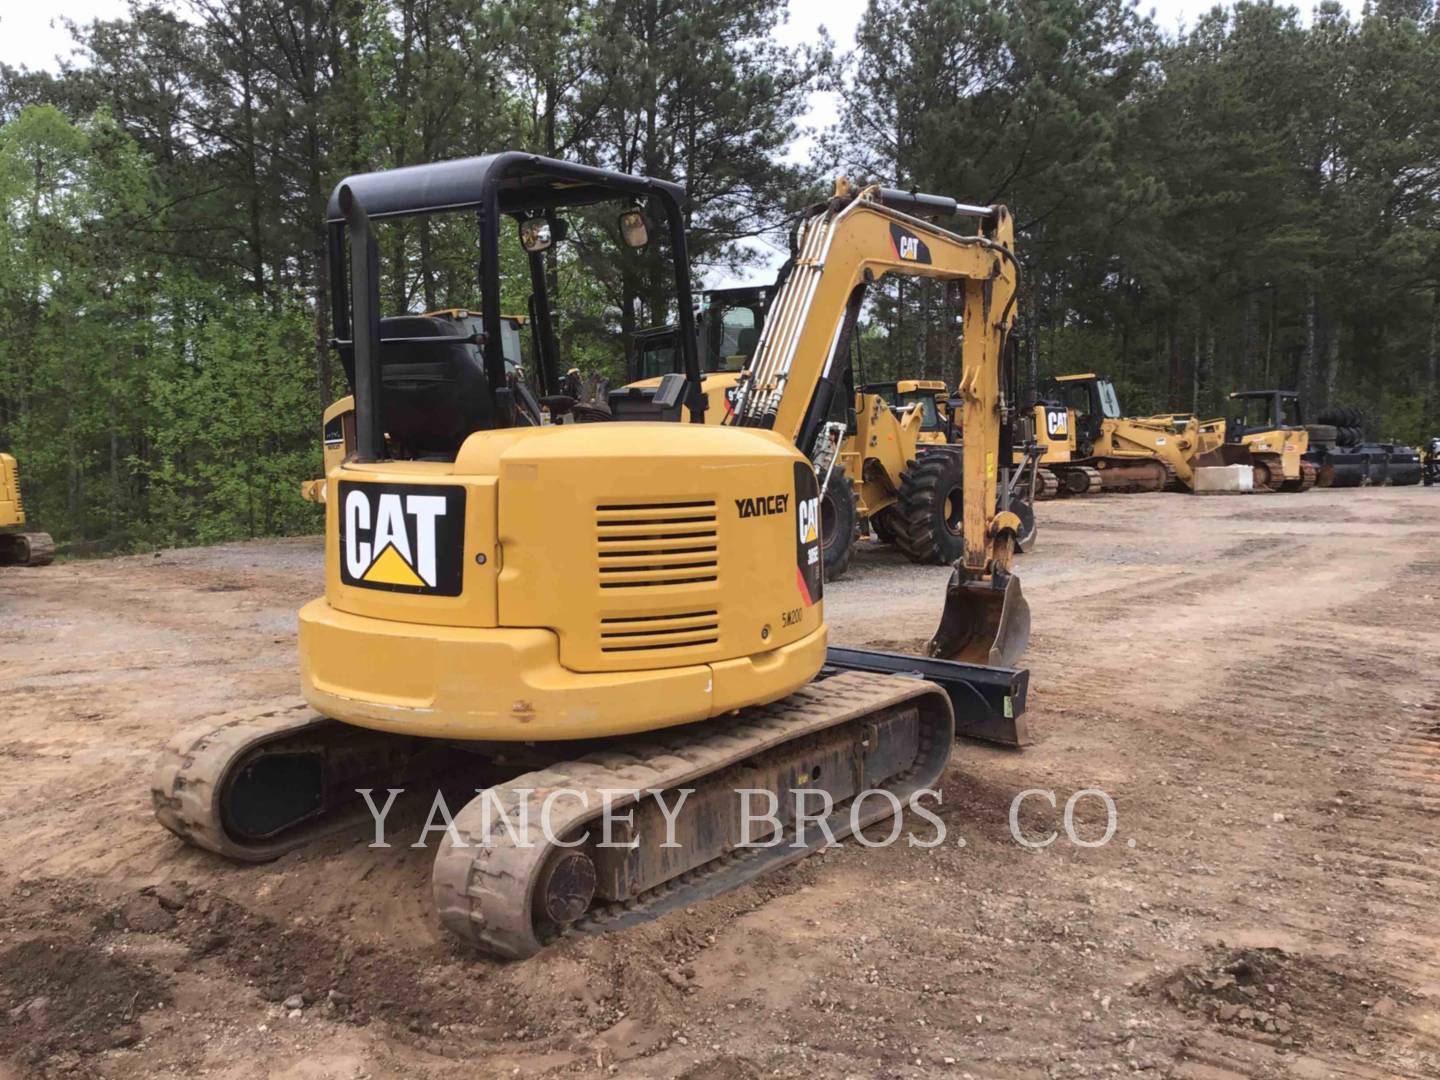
{"type": "Point", "coordinates": [843, 246]}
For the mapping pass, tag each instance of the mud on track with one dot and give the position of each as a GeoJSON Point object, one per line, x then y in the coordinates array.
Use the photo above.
{"type": "Point", "coordinates": [1251, 679]}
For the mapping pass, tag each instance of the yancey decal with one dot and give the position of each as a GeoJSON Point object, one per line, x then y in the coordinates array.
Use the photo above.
{"type": "Point", "coordinates": [809, 561]}
{"type": "Point", "coordinates": [908, 247]}
{"type": "Point", "coordinates": [403, 537]}
{"type": "Point", "coordinates": [762, 505]}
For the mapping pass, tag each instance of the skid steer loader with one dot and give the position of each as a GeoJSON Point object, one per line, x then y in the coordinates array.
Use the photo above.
{"type": "Point", "coordinates": [629, 614]}
{"type": "Point", "coordinates": [17, 547]}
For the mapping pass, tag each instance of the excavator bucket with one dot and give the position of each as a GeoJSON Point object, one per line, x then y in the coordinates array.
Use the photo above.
{"type": "Point", "coordinates": [984, 622]}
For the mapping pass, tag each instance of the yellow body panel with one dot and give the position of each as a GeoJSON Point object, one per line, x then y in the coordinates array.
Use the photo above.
{"type": "Point", "coordinates": [717, 386]}
{"type": "Point", "coordinates": [611, 578]}
{"type": "Point", "coordinates": [509, 684]}
{"type": "Point", "coordinates": [12, 512]}
{"type": "Point", "coordinates": [1288, 444]}
{"type": "Point", "coordinates": [884, 442]}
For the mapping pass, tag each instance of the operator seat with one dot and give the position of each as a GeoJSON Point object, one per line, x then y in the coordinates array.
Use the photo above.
{"type": "Point", "coordinates": [432, 396]}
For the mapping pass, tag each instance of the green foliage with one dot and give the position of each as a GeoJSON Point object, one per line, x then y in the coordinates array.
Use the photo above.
{"type": "Point", "coordinates": [1253, 203]}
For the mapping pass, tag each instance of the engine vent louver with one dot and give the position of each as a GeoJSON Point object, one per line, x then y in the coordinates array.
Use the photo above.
{"type": "Point", "coordinates": [664, 550]}
{"type": "Point", "coordinates": [654, 545]}
{"type": "Point", "coordinates": [643, 633]}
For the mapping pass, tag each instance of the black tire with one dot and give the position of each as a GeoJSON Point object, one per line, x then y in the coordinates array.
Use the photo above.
{"type": "Point", "coordinates": [882, 525]}
{"type": "Point", "coordinates": [930, 512]}
{"type": "Point", "coordinates": [839, 523]}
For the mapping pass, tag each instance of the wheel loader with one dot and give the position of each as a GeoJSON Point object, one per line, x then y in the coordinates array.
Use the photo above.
{"type": "Point", "coordinates": [1090, 445]}
{"type": "Point", "coordinates": [592, 620]}
{"type": "Point", "coordinates": [17, 547]}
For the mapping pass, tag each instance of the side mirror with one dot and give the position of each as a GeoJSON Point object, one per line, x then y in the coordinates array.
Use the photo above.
{"type": "Point", "coordinates": [634, 230]}
{"type": "Point", "coordinates": [535, 235]}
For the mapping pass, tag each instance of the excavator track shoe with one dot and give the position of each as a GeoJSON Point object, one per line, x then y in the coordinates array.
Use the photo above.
{"type": "Point", "coordinates": [254, 785]}
{"type": "Point", "coordinates": [522, 866]}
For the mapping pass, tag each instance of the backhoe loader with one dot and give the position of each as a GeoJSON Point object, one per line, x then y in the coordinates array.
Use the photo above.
{"type": "Point", "coordinates": [18, 548]}
{"type": "Point", "coordinates": [1123, 453]}
{"type": "Point", "coordinates": [595, 620]}
{"type": "Point", "coordinates": [930, 398]}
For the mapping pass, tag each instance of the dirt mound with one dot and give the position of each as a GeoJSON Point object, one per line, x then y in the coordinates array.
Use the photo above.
{"type": "Point", "coordinates": [62, 996]}
{"type": "Point", "coordinates": [1294, 999]}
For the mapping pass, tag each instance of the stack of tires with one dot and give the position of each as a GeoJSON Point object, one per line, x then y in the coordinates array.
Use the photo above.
{"type": "Point", "coordinates": [1336, 449]}
{"type": "Point", "coordinates": [1349, 426]}
{"type": "Point", "coordinates": [1347, 460]}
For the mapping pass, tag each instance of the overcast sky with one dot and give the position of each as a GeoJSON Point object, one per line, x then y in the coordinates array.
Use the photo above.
{"type": "Point", "coordinates": [31, 34]}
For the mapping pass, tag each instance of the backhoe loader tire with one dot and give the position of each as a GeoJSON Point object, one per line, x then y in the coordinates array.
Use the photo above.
{"type": "Point", "coordinates": [882, 526]}
{"type": "Point", "coordinates": [930, 513]}
{"type": "Point", "coordinates": [839, 522]}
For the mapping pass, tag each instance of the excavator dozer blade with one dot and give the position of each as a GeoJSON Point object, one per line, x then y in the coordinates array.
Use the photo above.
{"type": "Point", "coordinates": [984, 622]}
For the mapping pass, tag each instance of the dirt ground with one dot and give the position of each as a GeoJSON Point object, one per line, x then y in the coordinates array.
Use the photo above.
{"type": "Point", "coordinates": [1251, 679]}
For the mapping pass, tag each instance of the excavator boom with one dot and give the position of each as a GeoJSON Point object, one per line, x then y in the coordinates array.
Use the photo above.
{"type": "Point", "coordinates": [843, 246]}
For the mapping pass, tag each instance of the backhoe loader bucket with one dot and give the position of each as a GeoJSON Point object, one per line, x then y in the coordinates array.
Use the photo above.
{"type": "Point", "coordinates": [984, 622]}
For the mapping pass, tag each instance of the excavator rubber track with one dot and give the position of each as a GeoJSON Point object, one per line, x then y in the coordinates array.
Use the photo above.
{"type": "Point", "coordinates": [511, 889]}
{"type": "Point", "coordinates": [209, 772]}
{"type": "Point", "coordinates": [27, 549]}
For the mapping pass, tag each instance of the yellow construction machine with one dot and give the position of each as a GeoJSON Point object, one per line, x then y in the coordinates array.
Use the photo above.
{"type": "Point", "coordinates": [1270, 428]}
{"type": "Point", "coordinates": [598, 621]}
{"type": "Point", "coordinates": [1091, 445]}
{"type": "Point", "coordinates": [800, 382]}
{"type": "Point", "coordinates": [886, 460]}
{"type": "Point", "coordinates": [18, 548]}
{"type": "Point", "coordinates": [929, 397]}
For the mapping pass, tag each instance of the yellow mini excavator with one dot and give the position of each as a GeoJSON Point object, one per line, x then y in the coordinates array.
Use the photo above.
{"type": "Point", "coordinates": [18, 548]}
{"type": "Point", "coordinates": [628, 614]}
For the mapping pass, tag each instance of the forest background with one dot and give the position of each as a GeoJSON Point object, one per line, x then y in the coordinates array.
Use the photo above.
{"type": "Point", "coordinates": [1252, 202]}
